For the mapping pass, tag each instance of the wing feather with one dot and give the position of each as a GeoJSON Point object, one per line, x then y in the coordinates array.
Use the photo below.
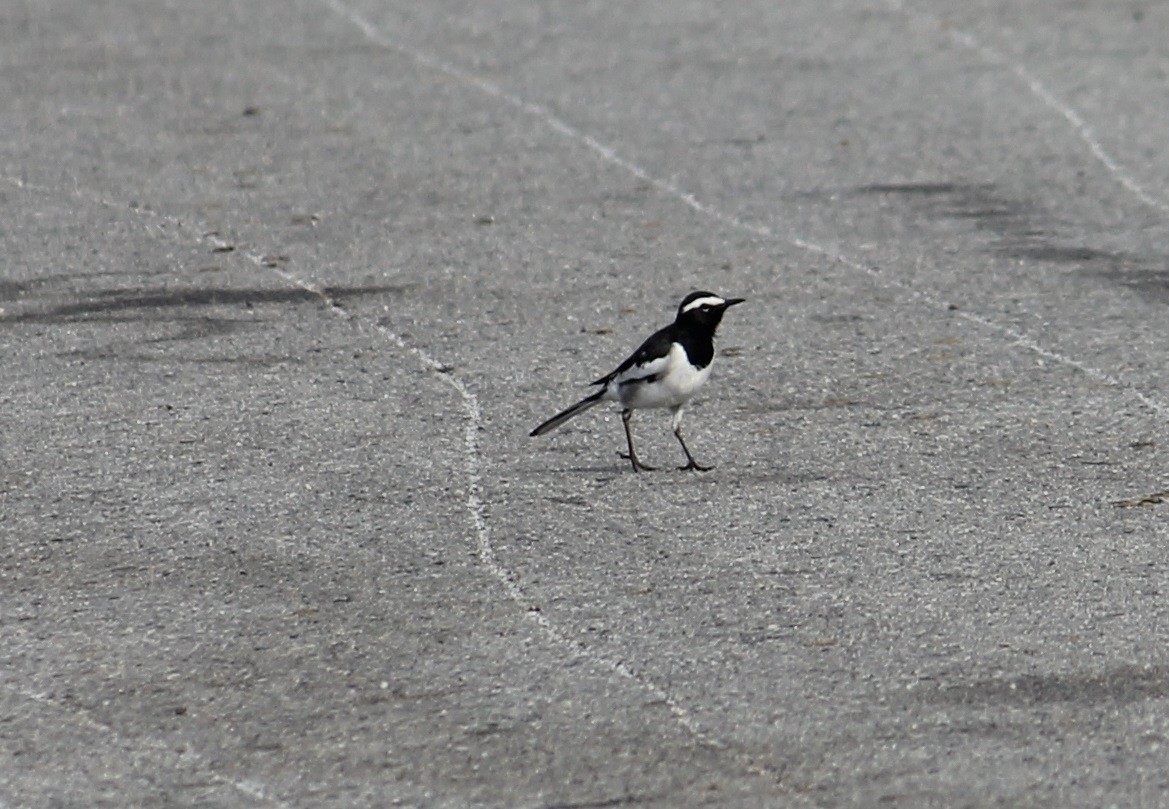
{"type": "Point", "coordinates": [649, 360]}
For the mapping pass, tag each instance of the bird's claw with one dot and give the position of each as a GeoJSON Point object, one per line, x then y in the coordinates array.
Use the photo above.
{"type": "Point", "coordinates": [694, 466]}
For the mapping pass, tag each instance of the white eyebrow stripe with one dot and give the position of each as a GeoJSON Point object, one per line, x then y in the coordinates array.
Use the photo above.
{"type": "Point", "coordinates": [711, 301]}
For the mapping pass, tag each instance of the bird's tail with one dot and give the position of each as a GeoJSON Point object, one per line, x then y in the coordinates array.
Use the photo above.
{"type": "Point", "coordinates": [565, 415]}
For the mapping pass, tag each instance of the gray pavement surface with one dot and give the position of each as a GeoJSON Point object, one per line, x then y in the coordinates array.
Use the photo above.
{"type": "Point", "coordinates": [284, 286]}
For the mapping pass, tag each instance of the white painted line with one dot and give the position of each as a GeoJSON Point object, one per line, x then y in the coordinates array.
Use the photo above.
{"type": "Point", "coordinates": [470, 403]}
{"type": "Point", "coordinates": [553, 122]}
{"type": "Point", "coordinates": [1041, 91]}
{"type": "Point", "coordinates": [249, 787]}
{"type": "Point", "coordinates": [486, 552]}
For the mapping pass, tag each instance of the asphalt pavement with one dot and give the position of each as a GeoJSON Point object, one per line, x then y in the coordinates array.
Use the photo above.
{"type": "Point", "coordinates": [285, 285]}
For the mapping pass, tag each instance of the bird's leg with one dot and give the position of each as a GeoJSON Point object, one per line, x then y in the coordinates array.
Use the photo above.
{"type": "Point", "coordinates": [692, 464]}
{"type": "Point", "coordinates": [638, 466]}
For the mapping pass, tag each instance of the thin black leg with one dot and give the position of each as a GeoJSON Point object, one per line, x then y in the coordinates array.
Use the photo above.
{"type": "Point", "coordinates": [691, 465]}
{"type": "Point", "coordinates": [638, 466]}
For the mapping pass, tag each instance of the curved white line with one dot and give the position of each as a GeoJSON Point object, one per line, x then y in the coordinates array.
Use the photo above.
{"type": "Point", "coordinates": [249, 787]}
{"type": "Point", "coordinates": [486, 552]}
{"type": "Point", "coordinates": [1082, 128]}
{"type": "Point", "coordinates": [470, 402]}
{"type": "Point", "coordinates": [1050, 99]}
{"type": "Point", "coordinates": [557, 124]}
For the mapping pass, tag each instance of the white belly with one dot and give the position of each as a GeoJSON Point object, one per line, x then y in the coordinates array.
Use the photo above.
{"type": "Point", "coordinates": [676, 383]}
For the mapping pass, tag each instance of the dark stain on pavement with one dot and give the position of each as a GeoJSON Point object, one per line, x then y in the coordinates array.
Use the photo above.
{"type": "Point", "coordinates": [1121, 685]}
{"type": "Point", "coordinates": [977, 203]}
{"type": "Point", "coordinates": [1021, 231]}
{"type": "Point", "coordinates": [106, 304]}
{"type": "Point", "coordinates": [142, 324]}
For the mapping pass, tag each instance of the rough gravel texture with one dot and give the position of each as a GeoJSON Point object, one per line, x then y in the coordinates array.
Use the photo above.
{"type": "Point", "coordinates": [284, 286]}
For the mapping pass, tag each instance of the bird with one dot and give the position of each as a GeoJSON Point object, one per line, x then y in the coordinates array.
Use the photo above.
{"type": "Point", "coordinates": [665, 371]}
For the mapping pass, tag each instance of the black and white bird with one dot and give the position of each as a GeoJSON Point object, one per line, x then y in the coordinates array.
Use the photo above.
{"type": "Point", "coordinates": [665, 371]}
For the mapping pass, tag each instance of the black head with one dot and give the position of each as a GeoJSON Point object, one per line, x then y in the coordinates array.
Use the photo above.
{"type": "Point", "coordinates": [704, 309]}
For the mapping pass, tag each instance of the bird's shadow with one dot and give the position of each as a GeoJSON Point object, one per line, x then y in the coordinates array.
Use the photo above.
{"type": "Point", "coordinates": [586, 470]}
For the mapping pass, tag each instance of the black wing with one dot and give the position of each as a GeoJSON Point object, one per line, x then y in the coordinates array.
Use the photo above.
{"type": "Point", "coordinates": [656, 346]}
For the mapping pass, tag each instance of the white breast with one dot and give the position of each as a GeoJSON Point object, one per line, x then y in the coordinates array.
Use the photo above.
{"type": "Point", "coordinates": [677, 380]}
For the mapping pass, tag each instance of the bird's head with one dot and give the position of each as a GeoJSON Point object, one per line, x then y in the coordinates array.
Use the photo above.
{"type": "Point", "coordinates": [704, 309]}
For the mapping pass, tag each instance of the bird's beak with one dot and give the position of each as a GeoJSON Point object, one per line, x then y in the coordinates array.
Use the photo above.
{"type": "Point", "coordinates": [732, 301]}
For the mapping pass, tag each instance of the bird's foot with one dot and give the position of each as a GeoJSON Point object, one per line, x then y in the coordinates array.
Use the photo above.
{"type": "Point", "coordinates": [638, 466]}
{"type": "Point", "coordinates": [695, 466]}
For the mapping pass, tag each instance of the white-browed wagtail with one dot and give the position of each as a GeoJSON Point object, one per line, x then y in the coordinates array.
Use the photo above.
{"type": "Point", "coordinates": [665, 371]}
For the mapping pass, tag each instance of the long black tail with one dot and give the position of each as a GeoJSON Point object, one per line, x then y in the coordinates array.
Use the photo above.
{"type": "Point", "coordinates": [576, 409]}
